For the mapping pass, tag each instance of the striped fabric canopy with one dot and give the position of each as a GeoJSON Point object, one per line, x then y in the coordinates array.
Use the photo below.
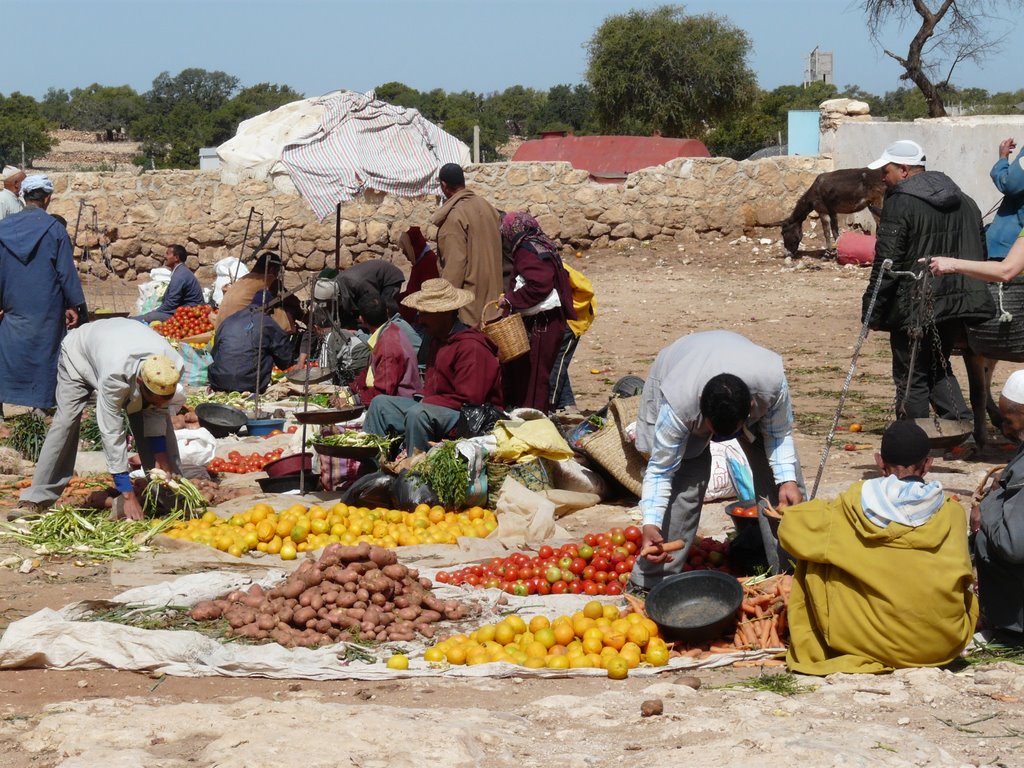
{"type": "Point", "coordinates": [364, 143]}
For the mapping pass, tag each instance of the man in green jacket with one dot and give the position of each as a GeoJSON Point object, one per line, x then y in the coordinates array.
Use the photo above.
{"type": "Point", "coordinates": [924, 214]}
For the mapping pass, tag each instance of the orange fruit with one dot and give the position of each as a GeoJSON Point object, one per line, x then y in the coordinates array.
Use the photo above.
{"type": "Point", "coordinates": [657, 656]}
{"type": "Point", "coordinates": [538, 623]}
{"type": "Point", "coordinates": [456, 654]}
{"type": "Point", "coordinates": [617, 667]}
{"type": "Point", "coordinates": [546, 637]}
{"type": "Point", "coordinates": [593, 610]}
{"type": "Point", "coordinates": [564, 633]}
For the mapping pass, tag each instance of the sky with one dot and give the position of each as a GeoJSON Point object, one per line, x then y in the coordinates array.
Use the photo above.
{"type": "Point", "coordinates": [317, 46]}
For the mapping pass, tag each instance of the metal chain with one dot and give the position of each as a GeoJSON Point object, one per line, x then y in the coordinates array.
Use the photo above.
{"type": "Point", "coordinates": [886, 267]}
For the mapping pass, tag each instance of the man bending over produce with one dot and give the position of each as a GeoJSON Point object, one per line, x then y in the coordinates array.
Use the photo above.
{"type": "Point", "coordinates": [998, 526]}
{"type": "Point", "coordinates": [462, 369]}
{"type": "Point", "coordinates": [883, 574]}
{"type": "Point", "coordinates": [708, 386]}
{"type": "Point", "coordinates": [133, 371]}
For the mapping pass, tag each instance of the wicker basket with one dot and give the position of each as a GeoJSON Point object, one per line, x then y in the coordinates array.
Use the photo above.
{"type": "Point", "coordinates": [508, 334]}
{"type": "Point", "coordinates": [532, 474]}
{"type": "Point", "coordinates": [610, 448]}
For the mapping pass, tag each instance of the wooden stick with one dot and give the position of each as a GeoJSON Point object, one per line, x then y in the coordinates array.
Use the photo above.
{"type": "Point", "coordinates": [981, 492]}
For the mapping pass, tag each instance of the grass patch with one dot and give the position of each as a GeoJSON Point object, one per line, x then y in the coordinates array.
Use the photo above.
{"type": "Point", "coordinates": [815, 370]}
{"type": "Point", "coordinates": [784, 684]}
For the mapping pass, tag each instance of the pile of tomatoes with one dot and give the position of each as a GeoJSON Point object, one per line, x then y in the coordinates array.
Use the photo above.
{"type": "Point", "coordinates": [242, 464]}
{"type": "Point", "coordinates": [186, 322]}
{"type": "Point", "coordinates": [599, 565]}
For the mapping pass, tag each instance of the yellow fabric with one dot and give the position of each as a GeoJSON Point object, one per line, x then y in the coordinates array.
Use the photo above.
{"type": "Point", "coordinates": [582, 301]}
{"type": "Point", "coordinates": [870, 599]}
{"type": "Point", "coordinates": [371, 343]}
{"type": "Point", "coordinates": [527, 440]}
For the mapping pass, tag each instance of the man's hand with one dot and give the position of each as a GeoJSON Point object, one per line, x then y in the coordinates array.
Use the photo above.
{"type": "Point", "coordinates": [1006, 146]}
{"type": "Point", "coordinates": [975, 520]}
{"type": "Point", "coordinates": [132, 507]}
{"type": "Point", "coordinates": [789, 494]}
{"type": "Point", "coordinates": [651, 536]}
{"type": "Point", "coordinates": [71, 317]}
{"type": "Point", "coordinates": [163, 461]}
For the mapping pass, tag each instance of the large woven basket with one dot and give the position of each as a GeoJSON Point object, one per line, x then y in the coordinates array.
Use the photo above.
{"type": "Point", "coordinates": [508, 334]}
{"type": "Point", "coordinates": [612, 449]}
{"type": "Point", "coordinates": [534, 474]}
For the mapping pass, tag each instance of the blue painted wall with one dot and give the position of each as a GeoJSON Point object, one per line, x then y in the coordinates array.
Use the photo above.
{"type": "Point", "coordinates": [803, 132]}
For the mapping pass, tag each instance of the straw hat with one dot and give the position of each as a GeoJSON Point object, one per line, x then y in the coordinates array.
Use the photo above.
{"type": "Point", "coordinates": [438, 295]}
{"type": "Point", "coordinates": [160, 375]}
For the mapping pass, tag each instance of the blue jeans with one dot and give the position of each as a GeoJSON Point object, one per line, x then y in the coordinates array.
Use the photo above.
{"type": "Point", "coordinates": [560, 394]}
{"type": "Point", "coordinates": [419, 422]}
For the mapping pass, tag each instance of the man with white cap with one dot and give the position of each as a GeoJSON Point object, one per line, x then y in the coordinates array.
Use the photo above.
{"type": "Point", "coordinates": [924, 214]}
{"type": "Point", "coordinates": [462, 369]}
{"type": "Point", "coordinates": [39, 294]}
{"type": "Point", "coordinates": [10, 202]}
{"type": "Point", "coordinates": [132, 370]}
{"type": "Point", "coordinates": [998, 528]}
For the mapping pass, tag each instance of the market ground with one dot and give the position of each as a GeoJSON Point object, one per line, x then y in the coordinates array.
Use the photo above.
{"type": "Point", "coordinates": [808, 311]}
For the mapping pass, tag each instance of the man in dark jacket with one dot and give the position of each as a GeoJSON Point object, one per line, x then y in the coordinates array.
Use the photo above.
{"type": "Point", "coordinates": [925, 214]}
{"type": "Point", "coordinates": [998, 528]}
{"type": "Point", "coordinates": [462, 369]}
{"type": "Point", "coordinates": [240, 342]}
{"type": "Point", "coordinates": [375, 277]}
{"type": "Point", "coordinates": [183, 290]}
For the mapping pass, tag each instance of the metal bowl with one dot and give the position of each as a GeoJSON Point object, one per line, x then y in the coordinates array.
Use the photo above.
{"type": "Point", "coordinates": [220, 420]}
{"type": "Point", "coordinates": [945, 433]}
{"type": "Point", "coordinates": [331, 416]}
{"type": "Point", "coordinates": [695, 606]}
{"type": "Point", "coordinates": [312, 375]}
{"type": "Point", "coordinates": [741, 521]}
{"type": "Point", "coordinates": [283, 483]}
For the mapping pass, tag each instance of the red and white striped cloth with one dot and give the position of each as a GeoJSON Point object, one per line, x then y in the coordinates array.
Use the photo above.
{"type": "Point", "coordinates": [364, 143]}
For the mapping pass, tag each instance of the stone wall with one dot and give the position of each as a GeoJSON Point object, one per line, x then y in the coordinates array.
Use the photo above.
{"type": "Point", "coordinates": [144, 213]}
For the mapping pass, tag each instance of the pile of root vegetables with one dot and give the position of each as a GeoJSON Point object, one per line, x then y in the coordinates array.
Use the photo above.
{"type": "Point", "coordinates": [359, 593]}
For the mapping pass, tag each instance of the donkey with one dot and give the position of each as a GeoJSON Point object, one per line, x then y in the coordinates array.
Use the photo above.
{"type": "Point", "coordinates": [844, 191]}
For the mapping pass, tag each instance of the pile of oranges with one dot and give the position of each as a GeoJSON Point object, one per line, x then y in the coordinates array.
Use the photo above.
{"type": "Point", "coordinates": [597, 637]}
{"type": "Point", "coordinates": [303, 529]}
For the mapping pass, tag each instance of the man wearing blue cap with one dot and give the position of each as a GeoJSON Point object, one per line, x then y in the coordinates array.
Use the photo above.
{"type": "Point", "coordinates": [39, 291]}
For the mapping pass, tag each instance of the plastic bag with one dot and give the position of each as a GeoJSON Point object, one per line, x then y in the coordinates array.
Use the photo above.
{"type": "Point", "coordinates": [196, 448]}
{"type": "Point", "coordinates": [478, 419]}
{"type": "Point", "coordinates": [476, 458]}
{"type": "Point", "coordinates": [226, 271]}
{"type": "Point", "coordinates": [739, 470]}
{"type": "Point", "coordinates": [720, 481]}
{"type": "Point", "coordinates": [370, 491]}
{"type": "Point", "coordinates": [409, 490]}
{"type": "Point", "coordinates": [152, 293]}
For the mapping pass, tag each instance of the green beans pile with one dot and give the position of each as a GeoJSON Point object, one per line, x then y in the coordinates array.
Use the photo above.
{"type": "Point", "coordinates": [446, 471]}
{"type": "Point", "coordinates": [352, 439]}
{"type": "Point", "coordinates": [92, 535]}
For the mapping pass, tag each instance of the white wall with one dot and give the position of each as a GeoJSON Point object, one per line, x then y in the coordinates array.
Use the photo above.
{"type": "Point", "coordinates": [964, 148]}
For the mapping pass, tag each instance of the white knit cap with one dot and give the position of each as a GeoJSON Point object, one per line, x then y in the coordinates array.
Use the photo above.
{"type": "Point", "coordinates": [38, 181]}
{"type": "Point", "coordinates": [1013, 389]}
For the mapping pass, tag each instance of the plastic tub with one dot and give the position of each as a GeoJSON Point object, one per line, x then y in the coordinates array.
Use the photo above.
{"type": "Point", "coordinates": [289, 465]}
{"type": "Point", "coordinates": [262, 427]}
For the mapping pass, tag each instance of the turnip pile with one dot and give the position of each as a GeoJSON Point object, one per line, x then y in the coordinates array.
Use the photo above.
{"type": "Point", "coordinates": [357, 593]}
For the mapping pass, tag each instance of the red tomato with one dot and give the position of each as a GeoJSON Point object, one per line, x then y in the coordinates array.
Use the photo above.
{"type": "Point", "coordinates": [292, 429]}
{"type": "Point", "coordinates": [589, 588]}
{"type": "Point", "coordinates": [545, 552]}
{"type": "Point", "coordinates": [577, 565]}
{"type": "Point", "coordinates": [633, 533]}
{"type": "Point", "coordinates": [612, 588]}
{"type": "Point", "coordinates": [543, 588]}
{"type": "Point", "coordinates": [576, 587]}
{"type": "Point", "coordinates": [588, 572]}
{"type": "Point", "coordinates": [443, 577]}
{"type": "Point", "coordinates": [601, 577]}
{"type": "Point", "coordinates": [559, 587]}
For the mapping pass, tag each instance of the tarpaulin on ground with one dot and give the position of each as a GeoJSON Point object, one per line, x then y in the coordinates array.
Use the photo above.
{"type": "Point", "coordinates": [66, 639]}
{"type": "Point", "coordinates": [364, 143]}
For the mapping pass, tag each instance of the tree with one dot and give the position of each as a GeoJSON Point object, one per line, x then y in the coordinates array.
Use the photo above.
{"type": "Point", "coordinates": [949, 32]}
{"type": "Point", "coordinates": [22, 125]}
{"type": "Point", "coordinates": [663, 70]}
{"type": "Point", "coordinates": [569, 108]}
{"type": "Point", "coordinates": [55, 107]}
{"type": "Point", "coordinates": [104, 108]}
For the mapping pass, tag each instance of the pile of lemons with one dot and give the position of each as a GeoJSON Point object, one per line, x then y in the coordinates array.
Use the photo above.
{"type": "Point", "coordinates": [302, 529]}
{"type": "Point", "coordinates": [596, 637]}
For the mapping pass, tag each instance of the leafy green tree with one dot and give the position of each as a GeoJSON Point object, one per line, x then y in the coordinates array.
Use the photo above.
{"type": "Point", "coordinates": [104, 108]}
{"type": "Point", "coordinates": [664, 70]}
{"type": "Point", "coordinates": [56, 107]}
{"type": "Point", "coordinates": [902, 104]}
{"type": "Point", "coordinates": [569, 108]}
{"type": "Point", "coordinates": [22, 124]}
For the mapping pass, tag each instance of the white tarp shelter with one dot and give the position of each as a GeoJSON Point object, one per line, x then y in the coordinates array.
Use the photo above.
{"type": "Point", "coordinates": [333, 147]}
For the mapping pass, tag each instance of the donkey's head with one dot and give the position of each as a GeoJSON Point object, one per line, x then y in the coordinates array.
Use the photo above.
{"type": "Point", "coordinates": [792, 234]}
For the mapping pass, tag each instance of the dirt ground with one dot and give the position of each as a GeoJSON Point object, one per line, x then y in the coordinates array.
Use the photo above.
{"type": "Point", "coordinates": [807, 310]}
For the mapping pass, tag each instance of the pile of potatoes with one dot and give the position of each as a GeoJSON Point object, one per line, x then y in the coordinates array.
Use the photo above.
{"type": "Point", "coordinates": [361, 593]}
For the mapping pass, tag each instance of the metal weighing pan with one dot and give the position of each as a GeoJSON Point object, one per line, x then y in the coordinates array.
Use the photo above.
{"type": "Point", "coordinates": [329, 416]}
{"type": "Point", "coordinates": [346, 451]}
{"type": "Point", "coordinates": [945, 433]}
{"type": "Point", "coordinates": [309, 375]}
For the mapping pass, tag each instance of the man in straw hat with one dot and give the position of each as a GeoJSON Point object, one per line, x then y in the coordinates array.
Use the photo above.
{"type": "Point", "coordinates": [10, 195]}
{"type": "Point", "coordinates": [998, 527]}
{"type": "Point", "coordinates": [866, 563]}
{"type": "Point", "coordinates": [132, 370]}
{"type": "Point", "coordinates": [462, 369]}
{"type": "Point", "coordinates": [708, 386]}
{"type": "Point", "coordinates": [39, 294]}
